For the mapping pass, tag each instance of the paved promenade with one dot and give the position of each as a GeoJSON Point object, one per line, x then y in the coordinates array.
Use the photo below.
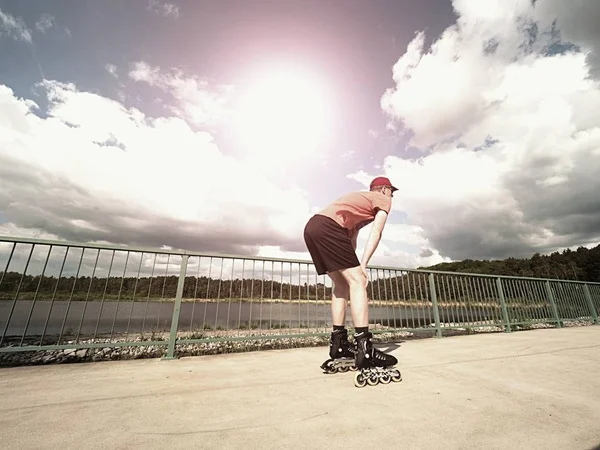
{"type": "Point", "coordinates": [525, 390]}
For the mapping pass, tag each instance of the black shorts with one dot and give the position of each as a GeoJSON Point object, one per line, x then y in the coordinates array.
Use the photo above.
{"type": "Point", "coordinates": [329, 245]}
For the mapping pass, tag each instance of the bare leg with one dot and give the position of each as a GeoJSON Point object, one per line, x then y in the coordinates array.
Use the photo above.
{"type": "Point", "coordinates": [359, 306]}
{"type": "Point", "coordinates": [340, 350]}
{"type": "Point", "coordinates": [339, 298]}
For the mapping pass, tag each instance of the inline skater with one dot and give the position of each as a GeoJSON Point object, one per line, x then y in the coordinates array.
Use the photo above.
{"type": "Point", "coordinates": [331, 238]}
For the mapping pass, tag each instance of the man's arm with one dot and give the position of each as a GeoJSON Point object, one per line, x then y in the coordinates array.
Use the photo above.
{"type": "Point", "coordinates": [374, 237]}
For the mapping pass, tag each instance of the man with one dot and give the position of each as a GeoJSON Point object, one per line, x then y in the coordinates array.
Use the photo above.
{"type": "Point", "coordinates": [330, 237]}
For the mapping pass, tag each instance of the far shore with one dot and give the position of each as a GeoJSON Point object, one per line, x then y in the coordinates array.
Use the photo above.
{"type": "Point", "coordinates": [493, 303]}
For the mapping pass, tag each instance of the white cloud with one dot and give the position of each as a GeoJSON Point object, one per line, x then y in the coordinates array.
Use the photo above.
{"type": "Point", "coordinates": [386, 255]}
{"type": "Point", "coordinates": [399, 259]}
{"type": "Point", "coordinates": [195, 99]}
{"type": "Point", "coordinates": [45, 22]}
{"type": "Point", "coordinates": [401, 233]}
{"type": "Point", "coordinates": [95, 170]}
{"type": "Point", "coordinates": [274, 251]}
{"type": "Point", "coordinates": [14, 27]}
{"type": "Point", "coordinates": [164, 9]}
{"type": "Point", "coordinates": [395, 236]}
{"type": "Point", "coordinates": [509, 128]}
{"type": "Point", "coordinates": [112, 69]}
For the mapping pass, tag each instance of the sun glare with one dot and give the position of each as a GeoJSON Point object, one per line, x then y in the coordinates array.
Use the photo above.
{"type": "Point", "coordinates": [281, 118]}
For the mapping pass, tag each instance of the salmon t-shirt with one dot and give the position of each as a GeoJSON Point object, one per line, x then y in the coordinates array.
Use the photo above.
{"type": "Point", "coordinates": [357, 209]}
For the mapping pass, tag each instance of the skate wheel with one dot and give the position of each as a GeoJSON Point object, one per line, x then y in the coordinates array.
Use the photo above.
{"type": "Point", "coordinates": [343, 369]}
{"type": "Point", "coordinates": [359, 380]}
{"type": "Point", "coordinates": [353, 368]}
{"type": "Point", "coordinates": [386, 378]}
{"type": "Point", "coordinates": [396, 376]}
{"type": "Point", "coordinates": [328, 367]}
{"type": "Point", "coordinates": [372, 380]}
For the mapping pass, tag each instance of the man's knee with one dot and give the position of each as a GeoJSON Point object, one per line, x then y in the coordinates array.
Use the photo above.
{"type": "Point", "coordinates": [341, 290]}
{"type": "Point", "coordinates": [340, 285]}
{"type": "Point", "coordinates": [355, 277]}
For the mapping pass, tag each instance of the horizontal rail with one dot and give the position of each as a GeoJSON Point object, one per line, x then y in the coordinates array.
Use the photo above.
{"type": "Point", "coordinates": [141, 249]}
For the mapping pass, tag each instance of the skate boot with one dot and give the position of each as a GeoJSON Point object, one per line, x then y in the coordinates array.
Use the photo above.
{"type": "Point", "coordinates": [374, 365]}
{"type": "Point", "coordinates": [341, 354]}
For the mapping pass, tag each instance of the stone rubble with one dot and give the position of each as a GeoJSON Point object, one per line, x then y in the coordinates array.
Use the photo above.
{"type": "Point", "coordinates": [222, 345]}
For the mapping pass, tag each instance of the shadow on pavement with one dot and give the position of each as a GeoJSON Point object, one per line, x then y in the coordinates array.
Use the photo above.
{"type": "Point", "coordinates": [390, 347]}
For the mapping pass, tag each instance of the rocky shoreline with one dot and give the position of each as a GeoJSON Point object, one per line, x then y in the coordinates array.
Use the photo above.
{"type": "Point", "coordinates": [215, 343]}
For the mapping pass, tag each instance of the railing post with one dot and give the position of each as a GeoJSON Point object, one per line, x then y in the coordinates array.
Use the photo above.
{"type": "Point", "coordinates": [503, 304]}
{"type": "Point", "coordinates": [436, 312]}
{"type": "Point", "coordinates": [176, 309]}
{"type": "Point", "coordinates": [588, 296]}
{"type": "Point", "coordinates": [553, 303]}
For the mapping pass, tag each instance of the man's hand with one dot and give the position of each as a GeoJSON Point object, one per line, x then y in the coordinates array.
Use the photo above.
{"type": "Point", "coordinates": [364, 271]}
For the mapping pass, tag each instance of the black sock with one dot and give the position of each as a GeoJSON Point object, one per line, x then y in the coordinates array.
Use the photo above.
{"type": "Point", "coordinates": [361, 330]}
{"type": "Point", "coordinates": [338, 327]}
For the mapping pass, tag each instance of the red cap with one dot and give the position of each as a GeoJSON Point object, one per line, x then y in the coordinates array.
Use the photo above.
{"type": "Point", "coordinates": [382, 181]}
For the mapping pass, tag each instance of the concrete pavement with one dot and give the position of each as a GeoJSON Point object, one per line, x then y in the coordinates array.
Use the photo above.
{"type": "Point", "coordinates": [525, 390]}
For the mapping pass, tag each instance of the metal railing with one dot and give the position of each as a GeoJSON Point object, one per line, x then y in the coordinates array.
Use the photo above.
{"type": "Point", "coordinates": [57, 295]}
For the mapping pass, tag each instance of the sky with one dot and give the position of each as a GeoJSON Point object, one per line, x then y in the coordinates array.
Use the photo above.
{"type": "Point", "coordinates": [224, 126]}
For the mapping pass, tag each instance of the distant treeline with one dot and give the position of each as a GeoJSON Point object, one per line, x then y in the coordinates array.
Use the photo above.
{"type": "Point", "coordinates": [582, 265]}
{"type": "Point", "coordinates": [411, 285]}
{"type": "Point", "coordinates": [152, 287]}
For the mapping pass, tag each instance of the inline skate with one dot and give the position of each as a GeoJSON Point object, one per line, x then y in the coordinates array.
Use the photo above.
{"type": "Point", "coordinates": [374, 366]}
{"type": "Point", "coordinates": [341, 354]}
